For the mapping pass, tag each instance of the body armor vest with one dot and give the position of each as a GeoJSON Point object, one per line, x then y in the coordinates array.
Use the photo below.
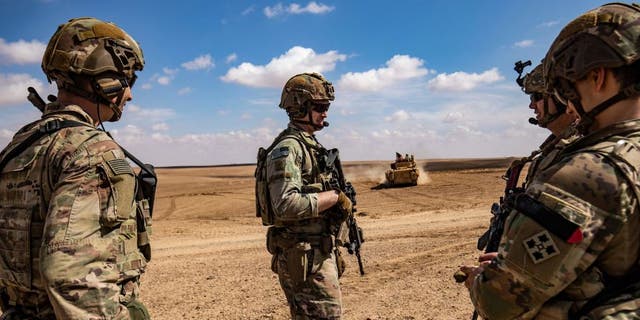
{"type": "Point", "coordinates": [26, 183]}
{"type": "Point", "coordinates": [312, 176]}
{"type": "Point", "coordinates": [22, 214]}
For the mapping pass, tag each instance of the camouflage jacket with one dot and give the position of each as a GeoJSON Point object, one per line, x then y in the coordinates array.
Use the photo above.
{"type": "Point", "coordinates": [573, 233]}
{"type": "Point", "coordinates": [294, 180]}
{"type": "Point", "coordinates": [70, 242]}
{"type": "Point", "coordinates": [549, 150]}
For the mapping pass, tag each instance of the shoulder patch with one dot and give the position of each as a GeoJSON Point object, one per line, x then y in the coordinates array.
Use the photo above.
{"type": "Point", "coordinates": [540, 247]}
{"type": "Point", "coordinates": [279, 153]}
{"type": "Point", "coordinates": [120, 166]}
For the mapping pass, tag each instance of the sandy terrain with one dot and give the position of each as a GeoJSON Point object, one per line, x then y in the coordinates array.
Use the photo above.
{"type": "Point", "coordinates": [210, 262]}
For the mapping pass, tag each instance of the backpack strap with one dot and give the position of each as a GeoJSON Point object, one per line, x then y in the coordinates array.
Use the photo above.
{"type": "Point", "coordinates": [47, 128]}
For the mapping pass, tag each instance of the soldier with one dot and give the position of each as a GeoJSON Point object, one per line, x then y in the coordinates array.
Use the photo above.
{"type": "Point", "coordinates": [302, 212]}
{"type": "Point", "coordinates": [570, 248]}
{"type": "Point", "coordinates": [550, 114]}
{"type": "Point", "coordinates": [69, 245]}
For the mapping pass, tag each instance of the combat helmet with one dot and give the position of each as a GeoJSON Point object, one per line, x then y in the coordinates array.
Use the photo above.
{"type": "Point", "coordinates": [101, 52]}
{"type": "Point", "coordinates": [607, 36]}
{"type": "Point", "coordinates": [302, 90]}
{"type": "Point", "coordinates": [533, 85]}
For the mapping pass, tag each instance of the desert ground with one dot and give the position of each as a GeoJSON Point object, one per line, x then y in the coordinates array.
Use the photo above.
{"type": "Point", "coordinates": [210, 262]}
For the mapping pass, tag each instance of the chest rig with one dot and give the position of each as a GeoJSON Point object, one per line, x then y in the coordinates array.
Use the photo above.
{"type": "Point", "coordinates": [312, 176]}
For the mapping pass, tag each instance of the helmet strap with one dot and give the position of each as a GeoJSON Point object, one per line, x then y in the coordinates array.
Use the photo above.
{"type": "Point", "coordinates": [588, 118]}
{"type": "Point", "coordinates": [306, 110]}
{"type": "Point", "coordinates": [550, 117]}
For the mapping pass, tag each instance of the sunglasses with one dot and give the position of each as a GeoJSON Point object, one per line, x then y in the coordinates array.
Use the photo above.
{"type": "Point", "coordinates": [536, 96]}
{"type": "Point", "coordinates": [131, 81]}
{"type": "Point", "coordinates": [320, 108]}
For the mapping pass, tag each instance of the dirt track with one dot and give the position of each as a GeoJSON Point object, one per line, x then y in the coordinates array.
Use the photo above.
{"type": "Point", "coordinates": [209, 259]}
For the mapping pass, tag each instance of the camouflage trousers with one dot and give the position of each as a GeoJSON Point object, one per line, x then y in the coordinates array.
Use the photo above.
{"type": "Point", "coordinates": [132, 308]}
{"type": "Point", "coordinates": [310, 282]}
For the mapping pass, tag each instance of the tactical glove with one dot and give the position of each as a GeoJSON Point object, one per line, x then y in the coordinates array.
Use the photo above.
{"type": "Point", "coordinates": [344, 205]}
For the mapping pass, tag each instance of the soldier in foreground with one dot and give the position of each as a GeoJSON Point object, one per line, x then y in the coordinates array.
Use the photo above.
{"type": "Point", "coordinates": [293, 198]}
{"type": "Point", "coordinates": [570, 247]}
{"type": "Point", "coordinates": [73, 236]}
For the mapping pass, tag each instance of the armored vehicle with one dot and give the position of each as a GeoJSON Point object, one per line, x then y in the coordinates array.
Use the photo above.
{"type": "Point", "coordinates": [403, 172]}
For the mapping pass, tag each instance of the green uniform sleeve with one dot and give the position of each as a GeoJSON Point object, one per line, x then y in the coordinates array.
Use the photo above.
{"type": "Point", "coordinates": [535, 266]}
{"type": "Point", "coordinates": [79, 255]}
{"type": "Point", "coordinates": [284, 175]}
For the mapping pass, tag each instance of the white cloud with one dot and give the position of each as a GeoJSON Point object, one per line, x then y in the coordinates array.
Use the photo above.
{"type": "Point", "coordinates": [246, 116]}
{"type": "Point", "coordinates": [312, 7]}
{"type": "Point", "coordinates": [294, 8]}
{"type": "Point", "coordinates": [13, 87]}
{"type": "Point", "coordinates": [398, 116]}
{"type": "Point", "coordinates": [462, 81]}
{"type": "Point", "coordinates": [161, 126]}
{"type": "Point", "coordinates": [280, 69]}
{"type": "Point", "coordinates": [184, 91]}
{"type": "Point", "coordinates": [134, 110]}
{"type": "Point", "coordinates": [398, 68]}
{"type": "Point", "coordinates": [5, 134]}
{"type": "Point", "coordinates": [274, 11]}
{"type": "Point", "coordinates": [147, 86]}
{"type": "Point", "coordinates": [231, 58]}
{"type": "Point", "coordinates": [453, 117]}
{"type": "Point", "coordinates": [199, 63]}
{"type": "Point", "coordinates": [248, 10]}
{"type": "Point", "coordinates": [164, 80]}
{"type": "Point", "coordinates": [21, 51]}
{"type": "Point", "coordinates": [523, 44]}
{"type": "Point", "coordinates": [548, 24]}
{"type": "Point", "coordinates": [170, 71]}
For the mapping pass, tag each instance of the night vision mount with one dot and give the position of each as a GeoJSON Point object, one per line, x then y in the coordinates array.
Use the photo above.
{"type": "Point", "coordinates": [519, 68]}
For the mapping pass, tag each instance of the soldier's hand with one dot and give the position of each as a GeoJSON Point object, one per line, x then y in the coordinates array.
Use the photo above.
{"type": "Point", "coordinates": [344, 205]}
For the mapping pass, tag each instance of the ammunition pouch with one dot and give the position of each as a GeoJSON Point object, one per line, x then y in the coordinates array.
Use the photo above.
{"type": "Point", "coordinates": [145, 197]}
{"type": "Point", "coordinates": [272, 241]}
{"type": "Point", "coordinates": [299, 260]}
{"type": "Point", "coordinates": [4, 300]}
{"type": "Point", "coordinates": [143, 223]}
{"type": "Point", "coordinates": [137, 310]}
{"type": "Point", "coordinates": [340, 263]}
{"type": "Point", "coordinates": [279, 240]}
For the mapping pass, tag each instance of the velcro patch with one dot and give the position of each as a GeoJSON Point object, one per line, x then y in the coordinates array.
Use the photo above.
{"type": "Point", "coordinates": [540, 247]}
{"type": "Point", "coordinates": [119, 166]}
{"type": "Point", "coordinates": [279, 153]}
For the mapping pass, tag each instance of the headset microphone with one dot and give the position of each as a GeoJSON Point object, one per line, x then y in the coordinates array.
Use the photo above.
{"type": "Point", "coordinates": [325, 123]}
{"type": "Point", "coordinates": [534, 121]}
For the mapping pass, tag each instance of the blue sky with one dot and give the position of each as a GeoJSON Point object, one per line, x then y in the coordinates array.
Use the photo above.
{"type": "Point", "coordinates": [432, 78]}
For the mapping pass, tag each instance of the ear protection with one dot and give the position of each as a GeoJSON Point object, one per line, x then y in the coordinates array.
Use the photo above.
{"type": "Point", "coordinates": [109, 88]}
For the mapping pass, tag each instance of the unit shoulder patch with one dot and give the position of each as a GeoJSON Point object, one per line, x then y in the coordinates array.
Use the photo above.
{"type": "Point", "coordinates": [278, 153]}
{"type": "Point", "coordinates": [540, 247]}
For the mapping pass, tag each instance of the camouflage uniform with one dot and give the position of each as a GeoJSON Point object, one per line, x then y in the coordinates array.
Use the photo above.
{"type": "Point", "coordinates": [548, 151]}
{"type": "Point", "coordinates": [571, 249]}
{"type": "Point", "coordinates": [69, 241]}
{"type": "Point", "coordinates": [541, 275]}
{"type": "Point", "coordinates": [305, 259]}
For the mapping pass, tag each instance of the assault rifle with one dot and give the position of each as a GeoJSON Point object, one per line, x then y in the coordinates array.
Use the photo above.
{"type": "Point", "coordinates": [331, 163]}
{"type": "Point", "coordinates": [490, 240]}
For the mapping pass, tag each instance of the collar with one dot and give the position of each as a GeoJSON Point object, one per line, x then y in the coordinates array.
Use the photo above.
{"type": "Point", "coordinates": [75, 111]}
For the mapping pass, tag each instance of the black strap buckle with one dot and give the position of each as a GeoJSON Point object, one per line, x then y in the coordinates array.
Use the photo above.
{"type": "Point", "coordinates": [51, 126]}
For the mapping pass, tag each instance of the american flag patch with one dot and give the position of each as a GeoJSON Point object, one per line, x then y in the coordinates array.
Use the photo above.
{"type": "Point", "coordinates": [119, 166]}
